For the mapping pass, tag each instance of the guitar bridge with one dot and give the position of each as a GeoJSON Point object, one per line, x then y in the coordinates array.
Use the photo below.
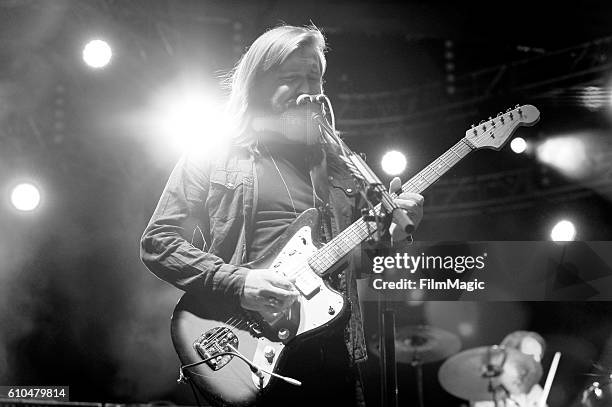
{"type": "Point", "coordinates": [214, 342]}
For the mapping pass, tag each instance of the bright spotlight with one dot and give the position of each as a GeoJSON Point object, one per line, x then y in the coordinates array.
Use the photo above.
{"type": "Point", "coordinates": [97, 53]}
{"type": "Point", "coordinates": [190, 121]}
{"type": "Point", "coordinates": [188, 118]}
{"type": "Point", "coordinates": [393, 163]}
{"type": "Point", "coordinates": [518, 145]}
{"type": "Point", "coordinates": [563, 231]}
{"type": "Point", "coordinates": [567, 154]}
{"type": "Point", "coordinates": [25, 197]}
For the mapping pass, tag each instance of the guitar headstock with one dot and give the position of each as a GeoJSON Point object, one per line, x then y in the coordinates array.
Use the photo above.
{"type": "Point", "coordinates": [494, 132]}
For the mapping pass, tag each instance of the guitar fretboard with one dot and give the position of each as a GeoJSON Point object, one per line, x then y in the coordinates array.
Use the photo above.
{"type": "Point", "coordinates": [345, 241]}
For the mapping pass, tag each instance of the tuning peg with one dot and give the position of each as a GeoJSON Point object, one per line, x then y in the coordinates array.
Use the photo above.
{"type": "Point", "coordinates": [516, 107]}
{"type": "Point", "coordinates": [508, 109]}
{"type": "Point", "coordinates": [499, 114]}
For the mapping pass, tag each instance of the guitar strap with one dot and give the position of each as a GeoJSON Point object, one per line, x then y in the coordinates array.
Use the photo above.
{"type": "Point", "coordinates": [317, 160]}
{"type": "Point", "coordinates": [344, 281]}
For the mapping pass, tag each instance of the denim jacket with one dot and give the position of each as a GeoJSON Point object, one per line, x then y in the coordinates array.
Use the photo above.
{"type": "Point", "coordinates": [219, 196]}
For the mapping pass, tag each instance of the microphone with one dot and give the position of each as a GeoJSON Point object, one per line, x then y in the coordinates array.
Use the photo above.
{"type": "Point", "coordinates": [298, 124]}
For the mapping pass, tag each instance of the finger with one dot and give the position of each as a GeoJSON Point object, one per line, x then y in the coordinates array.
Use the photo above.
{"type": "Point", "coordinates": [407, 204]}
{"type": "Point", "coordinates": [278, 305]}
{"type": "Point", "coordinates": [278, 281]}
{"type": "Point", "coordinates": [271, 308]}
{"type": "Point", "coordinates": [395, 185]}
{"type": "Point", "coordinates": [280, 293]}
{"type": "Point", "coordinates": [289, 301]}
{"type": "Point", "coordinates": [418, 198]}
{"type": "Point", "coordinates": [286, 303]}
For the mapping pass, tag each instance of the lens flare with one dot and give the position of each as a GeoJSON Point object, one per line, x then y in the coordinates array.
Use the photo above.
{"type": "Point", "coordinates": [25, 197]}
{"type": "Point", "coordinates": [518, 145]}
{"type": "Point", "coordinates": [393, 163]}
{"type": "Point", "coordinates": [97, 53]}
{"type": "Point", "coordinates": [563, 231]}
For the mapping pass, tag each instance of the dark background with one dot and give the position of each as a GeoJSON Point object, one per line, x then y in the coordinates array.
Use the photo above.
{"type": "Point", "coordinates": [76, 305]}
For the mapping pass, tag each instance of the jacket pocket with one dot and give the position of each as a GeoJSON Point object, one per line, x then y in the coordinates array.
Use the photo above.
{"type": "Point", "coordinates": [226, 194]}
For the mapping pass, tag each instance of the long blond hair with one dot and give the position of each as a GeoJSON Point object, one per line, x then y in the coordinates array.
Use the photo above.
{"type": "Point", "coordinates": [268, 51]}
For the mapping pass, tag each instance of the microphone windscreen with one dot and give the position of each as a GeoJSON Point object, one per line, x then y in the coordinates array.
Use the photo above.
{"type": "Point", "coordinates": [297, 124]}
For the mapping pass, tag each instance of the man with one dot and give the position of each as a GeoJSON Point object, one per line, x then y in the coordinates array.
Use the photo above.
{"type": "Point", "coordinates": [532, 344]}
{"type": "Point", "coordinates": [244, 199]}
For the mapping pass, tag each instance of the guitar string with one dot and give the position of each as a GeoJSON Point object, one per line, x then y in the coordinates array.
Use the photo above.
{"type": "Point", "coordinates": [409, 186]}
{"type": "Point", "coordinates": [222, 334]}
{"type": "Point", "coordinates": [218, 334]}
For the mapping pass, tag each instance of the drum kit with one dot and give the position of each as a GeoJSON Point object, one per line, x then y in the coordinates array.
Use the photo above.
{"type": "Point", "coordinates": [493, 373]}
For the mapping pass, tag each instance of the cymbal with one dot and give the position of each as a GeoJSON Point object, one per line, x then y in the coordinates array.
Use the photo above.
{"type": "Point", "coordinates": [422, 344]}
{"type": "Point", "coordinates": [474, 373]}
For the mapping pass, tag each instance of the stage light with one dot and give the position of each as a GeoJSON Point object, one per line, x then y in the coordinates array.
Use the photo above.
{"type": "Point", "coordinates": [97, 53]}
{"type": "Point", "coordinates": [518, 145]}
{"type": "Point", "coordinates": [25, 197]}
{"type": "Point", "coordinates": [567, 154]}
{"type": "Point", "coordinates": [188, 117]}
{"type": "Point", "coordinates": [393, 163]}
{"type": "Point", "coordinates": [189, 120]}
{"type": "Point", "coordinates": [563, 231]}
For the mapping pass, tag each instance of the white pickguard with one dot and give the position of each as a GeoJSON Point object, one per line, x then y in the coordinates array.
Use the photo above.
{"type": "Point", "coordinates": [318, 304]}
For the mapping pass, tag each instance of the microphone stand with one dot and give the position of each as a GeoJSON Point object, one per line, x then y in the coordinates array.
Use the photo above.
{"type": "Point", "coordinates": [373, 187]}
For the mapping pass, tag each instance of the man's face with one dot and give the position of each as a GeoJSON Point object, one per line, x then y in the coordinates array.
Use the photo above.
{"type": "Point", "coordinates": [278, 88]}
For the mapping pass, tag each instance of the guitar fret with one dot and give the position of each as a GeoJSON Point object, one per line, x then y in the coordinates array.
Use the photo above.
{"type": "Point", "coordinates": [453, 150]}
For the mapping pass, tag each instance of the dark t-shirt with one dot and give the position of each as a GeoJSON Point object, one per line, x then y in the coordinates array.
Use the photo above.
{"type": "Point", "coordinates": [275, 211]}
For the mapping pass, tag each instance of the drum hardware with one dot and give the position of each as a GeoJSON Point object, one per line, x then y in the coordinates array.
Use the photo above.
{"type": "Point", "coordinates": [419, 344]}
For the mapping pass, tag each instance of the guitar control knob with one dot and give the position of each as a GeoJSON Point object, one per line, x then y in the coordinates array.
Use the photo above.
{"type": "Point", "coordinates": [269, 353]}
{"type": "Point", "coordinates": [331, 310]}
{"type": "Point", "coordinates": [283, 334]}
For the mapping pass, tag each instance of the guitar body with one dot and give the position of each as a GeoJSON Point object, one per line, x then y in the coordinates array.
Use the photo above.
{"type": "Point", "coordinates": [204, 327]}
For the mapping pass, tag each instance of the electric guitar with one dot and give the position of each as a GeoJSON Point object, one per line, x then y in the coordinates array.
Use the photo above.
{"type": "Point", "coordinates": [235, 356]}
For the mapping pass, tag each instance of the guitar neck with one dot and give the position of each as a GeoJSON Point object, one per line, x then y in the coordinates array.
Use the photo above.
{"type": "Point", "coordinates": [352, 236]}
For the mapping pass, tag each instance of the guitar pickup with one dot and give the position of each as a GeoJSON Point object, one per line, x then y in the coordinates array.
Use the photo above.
{"type": "Point", "coordinates": [307, 284]}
